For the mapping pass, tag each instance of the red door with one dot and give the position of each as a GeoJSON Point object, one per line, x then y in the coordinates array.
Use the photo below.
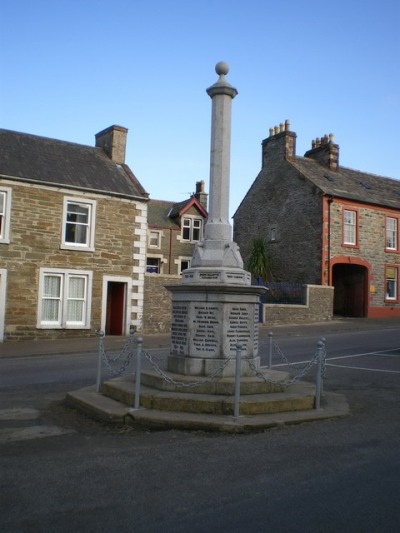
{"type": "Point", "coordinates": [116, 292]}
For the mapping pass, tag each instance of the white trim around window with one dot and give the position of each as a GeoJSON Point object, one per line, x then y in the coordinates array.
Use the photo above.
{"type": "Point", "coordinates": [350, 227]}
{"type": "Point", "coordinates": [192, 229]}
{"type": "Point", "coordinates": [5, 214]}
{"type": "Point", "coordinates": [78, 224]}
{"type": "Point", "coordinates": [392, 233]}
{"type": "Point", "coordinates": [65, 298]}
{"type": "Point", "coordinates": [154, 238]}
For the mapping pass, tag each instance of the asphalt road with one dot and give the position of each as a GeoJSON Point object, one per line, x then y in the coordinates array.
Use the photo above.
{"type": "Point", "coordinates": [62, 472]}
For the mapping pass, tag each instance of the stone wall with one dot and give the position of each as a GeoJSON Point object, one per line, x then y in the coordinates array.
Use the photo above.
{"type": "Point", "coordinates": [35, 242]}
{"type": "Point", "coordinates": [286, 210]}
{"type": "Point", "coordinates": [319, 308]}
{"type": "Point", "coordinates": [158, 307]}
{"type": "Point", "coordinates": [370, 250]}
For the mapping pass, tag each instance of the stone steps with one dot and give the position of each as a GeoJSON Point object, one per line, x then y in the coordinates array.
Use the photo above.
{"type": "Point", "coordinates": [112, 411]}
{"type": "Point", "coordinates": [299, 396]}
{"type": "Point", "coordinates": [166, 409]}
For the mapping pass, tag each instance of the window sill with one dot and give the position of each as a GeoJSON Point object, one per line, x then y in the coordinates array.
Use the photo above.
{"type": "Point", "coordinates": [77, 248]}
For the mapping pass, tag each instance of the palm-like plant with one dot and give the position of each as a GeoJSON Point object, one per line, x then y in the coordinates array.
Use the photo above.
{"type": "Point", "coordinates": [259, 262]}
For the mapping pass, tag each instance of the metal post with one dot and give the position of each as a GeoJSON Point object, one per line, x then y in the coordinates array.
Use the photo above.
{"type": "Point", "coordinates": [100, 355]}
{"type": "Point", "coordinates": [270, 335]}
{"type": "Point", "coordinates": [138, 372]}
{"type": "Point", "coordinates": [237, 380]}
{"type": "Point", "coordinates": [132, 331]}
{"type": "Point", "coordinates": [323, 363]}
{"type": "Point", "coordinates": [318, 376]}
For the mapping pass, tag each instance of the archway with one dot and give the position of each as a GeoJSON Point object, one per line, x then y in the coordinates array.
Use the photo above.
{"type": "Point", "coordinates": [351, 289]}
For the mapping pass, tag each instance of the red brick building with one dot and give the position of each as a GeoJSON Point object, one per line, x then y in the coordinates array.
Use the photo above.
{"type": "Point", "coordinates": [325, 224]}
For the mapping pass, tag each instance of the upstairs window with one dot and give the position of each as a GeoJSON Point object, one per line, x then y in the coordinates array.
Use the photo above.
{"type": "Point", "coordinates": [192, 229]}
{"type": "Point", "coordinates": [64, 300]}
{"type": "Point", "coordinates": [154, 239]}
{"type": "Point", "coordinates": [78, 224]}
{"type": "Point", "coordinates": [391, 283]}
{"type": "Point", "coordinates": [5, 210]}
{"type": "Point", "coordinates": [349, 227]}
{"type": "Point", "coordinates": [391, 233]}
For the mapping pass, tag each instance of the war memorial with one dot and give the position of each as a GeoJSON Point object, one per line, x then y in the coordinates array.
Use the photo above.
{"type": "Point", "coordinates": [212, 379]}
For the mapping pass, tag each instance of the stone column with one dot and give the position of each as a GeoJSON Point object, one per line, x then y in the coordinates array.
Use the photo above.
{"type": "Point", "coordinates": [216, 306]}
{"type": "Point", "coordinates": [217, 249]}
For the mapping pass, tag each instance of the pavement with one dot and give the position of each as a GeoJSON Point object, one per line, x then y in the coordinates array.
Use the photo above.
{"type": "Point", "coordinates": [162, 340]}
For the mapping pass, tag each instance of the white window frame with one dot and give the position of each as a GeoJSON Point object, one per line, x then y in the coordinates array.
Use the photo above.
{"type": "Point", "coordinates": [392, 233]}
{"type": "Point", "coordinates": [160, 263]}
{"type": "Point", "coordinates": [190, 226]}
{"type": "Point", "coordinates": [393, 280]}
{"type": "Point", "coordinates": [5, 214]}
{"type": "Point", "coordinates": [155, 232]}
{"type": "Point", "coordinates": [89, 245]}
{"type": "Point", "coordinates": [186, 260]}
{"type": "Point", "coordinates": [350, 228]}
{"type": "Point", "coordinates": [62, 322]}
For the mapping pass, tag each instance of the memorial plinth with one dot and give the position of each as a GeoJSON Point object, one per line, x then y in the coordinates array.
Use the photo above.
{"type": "Point", "coordinates": [216, 307]}
{"type": "Point", "coordinates": [208, 321]}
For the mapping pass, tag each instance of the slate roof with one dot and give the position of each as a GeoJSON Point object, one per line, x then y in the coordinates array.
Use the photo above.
{"type": "Point", "coordinates": [350, 184]}
{"type": "Point", "coordinates": [46, 161]}
{"type": "Point", "coordinates": [166, 214]}
{"type": "Point", "coordinates": [158, 214]}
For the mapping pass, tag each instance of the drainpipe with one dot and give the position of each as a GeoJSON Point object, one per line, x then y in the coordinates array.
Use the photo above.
{"type": "Point", "coordinates": [330, 201]}
{"type": "Point", "coordinates": [170, 251]}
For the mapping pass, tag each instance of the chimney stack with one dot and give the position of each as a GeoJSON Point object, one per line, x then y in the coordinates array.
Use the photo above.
{"type": "Point", "coordinates": [113, 142]}
{"type": "Point", "coordinates": [281, 143]}
{"type": "Point", "coordinates": [325, 151]}
{"type": "Point", "coordinates": [200, 194]}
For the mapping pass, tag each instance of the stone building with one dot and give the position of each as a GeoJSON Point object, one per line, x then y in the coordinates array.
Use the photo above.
{"type": "Point", "coordinates": [72, 237]}
{"type": "Point", "coordinates": [325, 224]}
{"type": "Point", "coordinates": [172, 232]}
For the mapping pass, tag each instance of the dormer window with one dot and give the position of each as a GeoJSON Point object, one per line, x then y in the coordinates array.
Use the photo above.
{"type": "Point", "coordinates": [192, 229]}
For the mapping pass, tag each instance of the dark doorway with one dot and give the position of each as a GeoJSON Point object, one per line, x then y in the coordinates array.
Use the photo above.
{"type": "Point", "coordinates": [116, 297]}
{"type": "Point", "coordinates": [351, 290]}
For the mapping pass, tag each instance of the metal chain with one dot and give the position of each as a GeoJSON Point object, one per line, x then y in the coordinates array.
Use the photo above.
{"type": "Point", "coordinates": [127, 353]}
{"type": "Point", "coordinates": [286, 360]}
{"type": "Point", "coordinates": [288, 381]}
{"type": "Point", "coordinates": [191, 384]}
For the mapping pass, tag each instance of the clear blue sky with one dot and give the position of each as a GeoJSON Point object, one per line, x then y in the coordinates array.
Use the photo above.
{"type": "Point", "coordinates": [69, 69]}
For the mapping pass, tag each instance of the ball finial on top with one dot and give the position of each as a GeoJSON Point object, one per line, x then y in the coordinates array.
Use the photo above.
{"type": "Point", "coordinates": [222, 68]}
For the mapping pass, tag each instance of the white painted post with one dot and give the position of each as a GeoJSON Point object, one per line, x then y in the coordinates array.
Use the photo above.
{"type": "Point", "coordinates": [318, 386]}
{"type": "Point", "coordinates": [270, 335]}
{"type": "Point", "coordinates": [100, 355]}
{"type": "Point", "coordinates": [138, 372]}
